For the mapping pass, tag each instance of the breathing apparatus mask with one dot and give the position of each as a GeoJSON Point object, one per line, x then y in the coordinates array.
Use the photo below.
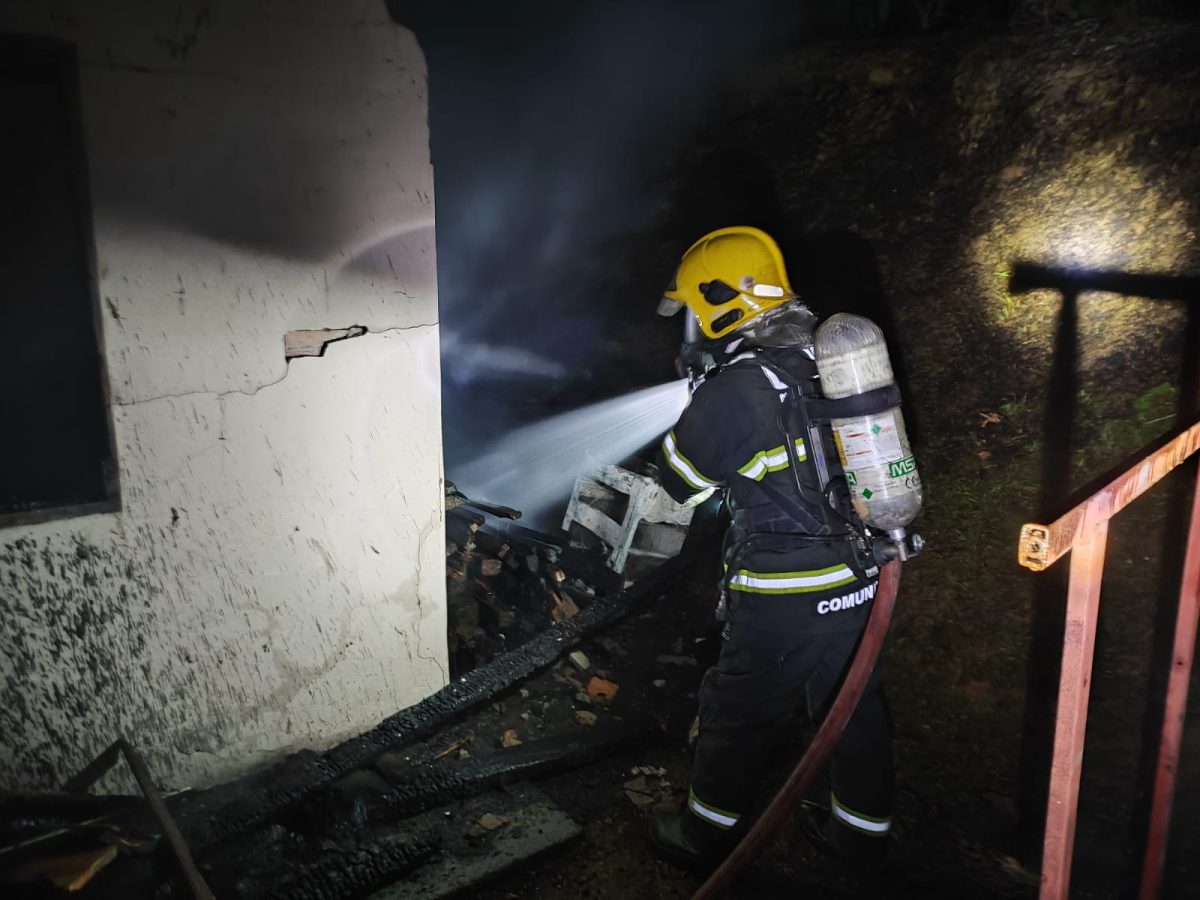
{"type": "Point", "coordinates": [695, 359]}
{"type": "Point", "coordinates": [787, 327]}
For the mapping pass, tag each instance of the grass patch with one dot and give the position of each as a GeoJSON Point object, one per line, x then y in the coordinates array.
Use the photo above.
{"type": "Point", "coordinates": [1109, 428]}
{"type": "Point", "coordinates": [961, 640]}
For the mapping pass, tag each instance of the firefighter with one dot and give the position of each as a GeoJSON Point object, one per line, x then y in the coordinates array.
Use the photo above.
{"type": "Point", "coordinates": [798, 578]}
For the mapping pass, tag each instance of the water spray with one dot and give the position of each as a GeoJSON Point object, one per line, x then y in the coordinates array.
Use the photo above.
{"type": "Point", "coordinates": [534, 467]}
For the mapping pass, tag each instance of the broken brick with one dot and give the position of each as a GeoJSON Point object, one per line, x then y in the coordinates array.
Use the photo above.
{"type": "Point", "coordinates": [564, 607]}
{"type": "Point", "coordinates": [638, 790]}
{"type": "Point", "coordinates": [485, 823]}
{"type": "Point", "coordinates": [491, 821]}
{"type": "Point", "coordinates": [647, 789]}
{"type": "Point", "coordinates": [601, 689]}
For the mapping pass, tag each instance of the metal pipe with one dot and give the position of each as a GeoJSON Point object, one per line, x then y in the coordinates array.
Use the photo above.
{"type": "Point", "coordinates": [1079, 644]}
{"type": "Point", "coordinates": [1175, 709]}
{"type": "Point", "coordinates": [1041, 545]}
{"type": "Point", "coordinates": [141, 773]}
{"type": "Point", "coordinates": [827, 737]}
{"type": "Point", "coordinates": [1083, 531]}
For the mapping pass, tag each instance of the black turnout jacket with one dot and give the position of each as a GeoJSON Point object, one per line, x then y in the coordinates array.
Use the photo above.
{"type": "Point", "coordinates": [783, 543]}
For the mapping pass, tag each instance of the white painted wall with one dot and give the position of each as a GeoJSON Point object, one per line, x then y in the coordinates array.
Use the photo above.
{"type": "Point", "coordinates": [275, 577]}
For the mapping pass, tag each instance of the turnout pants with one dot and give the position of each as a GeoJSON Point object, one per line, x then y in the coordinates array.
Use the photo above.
{"type": "Point", "coordinates": [772, 665]}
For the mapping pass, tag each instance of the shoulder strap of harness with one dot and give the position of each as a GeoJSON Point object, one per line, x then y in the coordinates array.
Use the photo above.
{"type": "Point", "coordinates": [805, 411]}
{"type": "Point", "coordinates": [822, 511]}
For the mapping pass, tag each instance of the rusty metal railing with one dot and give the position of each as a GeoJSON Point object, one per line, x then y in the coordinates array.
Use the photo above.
{"type": "Point", "coordinates": [1084, 532]}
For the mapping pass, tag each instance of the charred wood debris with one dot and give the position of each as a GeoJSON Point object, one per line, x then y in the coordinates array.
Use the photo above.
{"type": "Point", "coordinates": [435, 799]}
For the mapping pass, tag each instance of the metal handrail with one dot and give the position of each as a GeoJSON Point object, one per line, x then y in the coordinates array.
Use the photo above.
{"type": "Point", "coordinates": [1084, 532]}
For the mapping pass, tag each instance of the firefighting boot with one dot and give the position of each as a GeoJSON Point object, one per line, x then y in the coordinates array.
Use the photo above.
{"type": "Point", "coordinates": [866, 852]}
{"type": "Point", "coordinates": [683, 839]}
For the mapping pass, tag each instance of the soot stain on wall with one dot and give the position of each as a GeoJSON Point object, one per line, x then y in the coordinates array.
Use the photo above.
{"type": "Point", "coordinates": [87, 615]}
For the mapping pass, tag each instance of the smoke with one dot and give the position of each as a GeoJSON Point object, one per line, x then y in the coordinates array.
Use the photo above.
{"type": "Point", "coordinates": [551, 124]}
{"type": "Point", "coordinates": [474, 361]}
{"type": "Point", "coordinates": [546, 119]}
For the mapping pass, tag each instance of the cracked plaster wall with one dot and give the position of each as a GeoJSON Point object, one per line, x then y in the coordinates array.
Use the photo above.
{"type": "Point", "coordinates": [274, 578]}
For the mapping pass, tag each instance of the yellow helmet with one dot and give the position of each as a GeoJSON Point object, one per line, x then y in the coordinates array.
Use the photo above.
{"type": "Point", "coordinates": [727, 279]}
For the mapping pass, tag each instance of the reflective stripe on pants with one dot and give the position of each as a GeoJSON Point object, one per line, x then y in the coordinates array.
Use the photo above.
{"type": "Point", "coordinates": [873, 825]}
{"type": "Point", "coordinates": [765, 673]}
{"type": "Point", "coordinates": [711, 814]}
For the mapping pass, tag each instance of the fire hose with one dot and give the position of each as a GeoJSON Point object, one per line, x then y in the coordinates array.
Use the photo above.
{"type": "Point", "coordinates": [817, 755]}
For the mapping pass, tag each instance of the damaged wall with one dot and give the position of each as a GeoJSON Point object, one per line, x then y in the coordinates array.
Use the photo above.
{"type": "Point", "coordinates": [274, 578]}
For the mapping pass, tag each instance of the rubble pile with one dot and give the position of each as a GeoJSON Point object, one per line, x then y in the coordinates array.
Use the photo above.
{"type": "Point", "coordinates": [508, 585]}
{"type": "Point", "coordinates": [425, 816]}
{"type": "Point", "coordinates": [555, 676]}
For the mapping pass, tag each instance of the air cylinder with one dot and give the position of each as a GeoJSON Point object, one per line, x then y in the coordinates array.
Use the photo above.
{"type": "Point", "coordinates": [852, 358]}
